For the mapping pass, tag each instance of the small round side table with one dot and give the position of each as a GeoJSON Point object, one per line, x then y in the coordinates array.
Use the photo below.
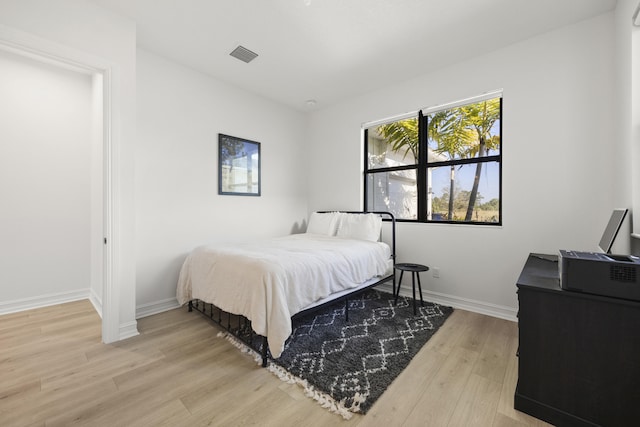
{"type": "Point", "coordinates": [415, 270]}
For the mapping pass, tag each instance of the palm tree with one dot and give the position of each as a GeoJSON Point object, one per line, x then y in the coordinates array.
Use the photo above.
{"type": "Point", "coordinates": [459, 133]}
{"type": "Point", "coordinates": [401, 135]}
{"type": "Point", "coordinates": [480, 117]}
{"type": "Point", "coordinates": [449, 132]}
{"type": "Point", "coordinates": [444, 127]}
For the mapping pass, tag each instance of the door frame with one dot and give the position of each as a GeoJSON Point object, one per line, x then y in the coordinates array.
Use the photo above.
{"type": "Point", "coordinates": [18, 42]}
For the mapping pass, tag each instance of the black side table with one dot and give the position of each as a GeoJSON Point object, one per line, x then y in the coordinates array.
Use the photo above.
{"type": "Point", "coordinates": [415, 270]}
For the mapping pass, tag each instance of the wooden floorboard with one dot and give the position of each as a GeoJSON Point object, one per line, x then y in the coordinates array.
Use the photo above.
{"type": "Point", "coordinates": [56, 372]}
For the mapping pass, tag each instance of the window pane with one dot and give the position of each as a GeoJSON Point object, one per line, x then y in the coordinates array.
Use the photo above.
{"type": "Point", "coordinates": [393, 192]}
{"type": "Point", "coordinates": [465, 132]}
{"type": "Point", "coordinates": [393, 144]}
{"type": "Point", "coordinates": [487, 199]}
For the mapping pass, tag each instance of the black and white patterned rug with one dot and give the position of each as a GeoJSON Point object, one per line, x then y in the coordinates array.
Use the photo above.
{"type": "Point", "coordinates": [346, 366]}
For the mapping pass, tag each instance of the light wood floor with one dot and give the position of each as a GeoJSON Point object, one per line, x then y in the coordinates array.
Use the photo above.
{"type": "Point", "coordinates": [54, 371]}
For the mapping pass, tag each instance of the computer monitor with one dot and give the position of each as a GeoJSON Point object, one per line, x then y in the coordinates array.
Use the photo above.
{"type": "Point", "coordinates": [610, 233]}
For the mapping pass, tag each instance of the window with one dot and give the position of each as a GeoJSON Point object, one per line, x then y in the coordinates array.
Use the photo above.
{"type": "Point", "coordinates": [438, 165]}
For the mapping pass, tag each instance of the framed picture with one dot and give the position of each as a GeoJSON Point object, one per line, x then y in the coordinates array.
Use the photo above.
{"type": "Point", "coordinates": [238, 166]}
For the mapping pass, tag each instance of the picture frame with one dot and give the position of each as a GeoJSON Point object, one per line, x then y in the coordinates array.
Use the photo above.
{"type": "Point", "coordinates": [238, 166]}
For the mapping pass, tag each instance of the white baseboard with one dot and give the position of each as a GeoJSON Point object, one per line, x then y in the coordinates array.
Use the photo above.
{"type": "Point", "coordinates": [128, 330]}
{"type": "Point", "coordinates": [46, 300]}
{"type": "Point", "coordinates": [488, 309]}
{"type": "Point", "coordinates": [156, 307]}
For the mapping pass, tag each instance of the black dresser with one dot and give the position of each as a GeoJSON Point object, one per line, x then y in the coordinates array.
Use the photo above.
{"type": "Point", "coordinates": [578, 355]}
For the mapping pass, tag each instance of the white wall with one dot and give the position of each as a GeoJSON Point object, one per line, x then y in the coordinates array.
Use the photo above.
{"type": "Point", "coordinates": [559, 174]}
{"type": "Point", "coordinates": [628, 96]}
{"type": "Point", "coordinates": [85, 30]}
{"type": "Point", "coordinates": [627, 107]}
{"type": "Point", "coordinates": [563, 80]}
{"type": "Point", "coordinates": [45, 171]}
{"type": "Point", "coordinates": [180, 113]}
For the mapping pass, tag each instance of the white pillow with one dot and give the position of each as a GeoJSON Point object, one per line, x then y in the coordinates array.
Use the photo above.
{"type": "Point", "coordinates": [360, 226]}
{"type": "Point", "coordinates": [323, 223]}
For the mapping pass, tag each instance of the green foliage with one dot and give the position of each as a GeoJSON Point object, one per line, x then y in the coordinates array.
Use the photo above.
{"type": "Point", "coordinates": [491, 205]}
{"type": "Point", "coordinates": [460, 200]}
{"type": "Point", "coordinates": [465, 132]}
{"type": "Point", "coordinates": [401, 135]}
{"type": "Point", "coordinates": [459, 133]}
{"type": "Point", "coordinates": [481, 117]}
{"type": "Point", "coordinates": [450, 133]}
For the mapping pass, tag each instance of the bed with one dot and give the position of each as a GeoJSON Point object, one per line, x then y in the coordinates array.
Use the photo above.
{"type": "Point", "coordinates": [254, 289]}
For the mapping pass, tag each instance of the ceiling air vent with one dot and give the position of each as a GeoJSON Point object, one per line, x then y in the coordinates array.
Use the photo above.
{"type": "Point", "coordinates": [243, 54]}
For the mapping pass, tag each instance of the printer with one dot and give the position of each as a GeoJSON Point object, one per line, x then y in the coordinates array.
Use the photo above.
{"type": "Point", "coordinates": [600, 274]}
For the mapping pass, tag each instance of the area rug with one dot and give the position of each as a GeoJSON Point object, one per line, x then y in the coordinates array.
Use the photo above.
{"type": "Point", "coordinates": [347, 365]}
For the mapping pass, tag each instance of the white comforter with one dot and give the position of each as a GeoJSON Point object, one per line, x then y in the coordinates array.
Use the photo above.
{"type": "Point", "coordinates": [271, 280]}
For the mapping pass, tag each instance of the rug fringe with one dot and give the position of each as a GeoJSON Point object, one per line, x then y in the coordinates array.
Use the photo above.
{"type": "Point", "coordinates": [323, 399]}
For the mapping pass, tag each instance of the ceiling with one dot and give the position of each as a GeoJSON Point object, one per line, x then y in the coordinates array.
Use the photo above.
{"type": "Point", "coordinates": [330, 50]}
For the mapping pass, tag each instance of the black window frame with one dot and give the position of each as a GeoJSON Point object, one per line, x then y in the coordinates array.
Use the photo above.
{"type": "Point", "coordinates": [423, 165]}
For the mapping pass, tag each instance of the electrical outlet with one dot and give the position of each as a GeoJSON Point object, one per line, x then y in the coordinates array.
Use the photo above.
{"type": "Point", "coordinates": [436, 272]}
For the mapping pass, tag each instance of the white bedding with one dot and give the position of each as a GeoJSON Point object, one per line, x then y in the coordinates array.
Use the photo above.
{"type": "Point", "coordinates": [271, 280]}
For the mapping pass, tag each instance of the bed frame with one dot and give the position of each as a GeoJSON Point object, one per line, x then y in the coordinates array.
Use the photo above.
{"type": "Point", "coordinates": [240, 327]}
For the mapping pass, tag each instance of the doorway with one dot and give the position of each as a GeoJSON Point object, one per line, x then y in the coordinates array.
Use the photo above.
{"type": "Point", "coordinates": [45, 245]}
